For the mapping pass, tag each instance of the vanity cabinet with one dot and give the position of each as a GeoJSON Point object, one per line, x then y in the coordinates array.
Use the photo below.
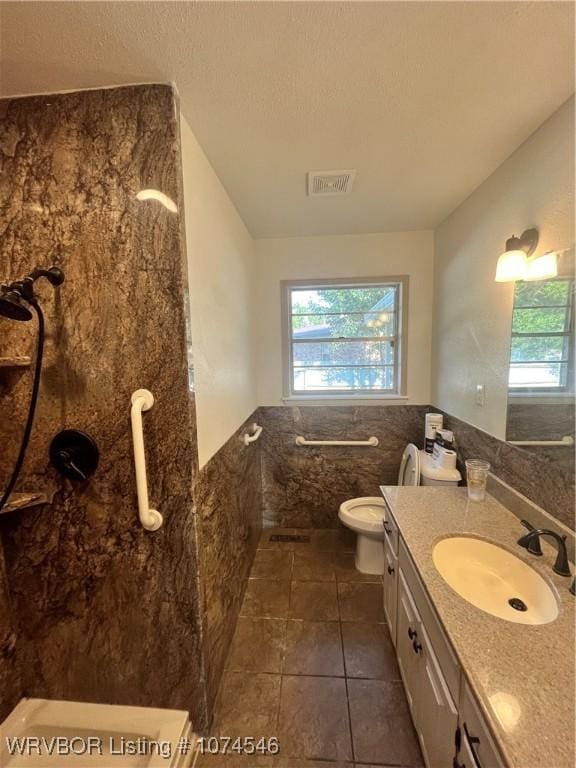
{"type": "Point", "coordinates": [450, 728]}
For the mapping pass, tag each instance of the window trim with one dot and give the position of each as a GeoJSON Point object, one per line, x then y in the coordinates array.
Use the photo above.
{"type": "Point", "coordinates": [286, 286]}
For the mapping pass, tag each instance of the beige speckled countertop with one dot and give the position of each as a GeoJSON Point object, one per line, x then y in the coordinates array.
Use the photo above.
{"type": "Point", "coordinates": [533, 666]}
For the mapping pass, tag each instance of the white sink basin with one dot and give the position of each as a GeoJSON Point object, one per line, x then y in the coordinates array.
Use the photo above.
{"type": "Point", "coordinates": [490, 577]}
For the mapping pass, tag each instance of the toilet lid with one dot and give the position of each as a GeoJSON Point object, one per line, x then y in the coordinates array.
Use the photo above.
{"type": "Point", "coordinates": [409, 473]}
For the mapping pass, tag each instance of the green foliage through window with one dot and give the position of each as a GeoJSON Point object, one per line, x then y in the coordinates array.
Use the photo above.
{"type": "Point", "coordinates": [542, 335]}
{"type": "Point", "coordinates": [344, 338]}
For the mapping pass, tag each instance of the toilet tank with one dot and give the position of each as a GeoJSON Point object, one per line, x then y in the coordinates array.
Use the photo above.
{"type": "Point", "coordinates": [431, 481]}
{"type": "Point", "coordinates": [430, 474]}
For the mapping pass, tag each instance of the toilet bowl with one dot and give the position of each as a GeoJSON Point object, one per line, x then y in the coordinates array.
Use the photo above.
{"type": "Point", "coordinates": [365, 516]}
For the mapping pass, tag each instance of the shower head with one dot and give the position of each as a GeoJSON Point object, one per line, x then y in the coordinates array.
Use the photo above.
{"type": "Point", "coordinates": [11, 306]}
{"type": "Point", "coordinates": [13, 297]}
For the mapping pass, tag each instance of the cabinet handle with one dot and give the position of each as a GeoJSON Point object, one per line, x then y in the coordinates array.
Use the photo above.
{"type": "Point", "coordinates": [387, 527]}
{"type": "Point", "coordinates": [472, 740]}
{"type": "Point", "coordinates": [390, 570]}
{"type": "Point", "coordinates": [416, 646]}
{"type": "Point", "coordinates": [412, 633]}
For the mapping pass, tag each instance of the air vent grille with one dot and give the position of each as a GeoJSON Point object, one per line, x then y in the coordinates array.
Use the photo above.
{"type": "Point", "coordinates": [330, 183]}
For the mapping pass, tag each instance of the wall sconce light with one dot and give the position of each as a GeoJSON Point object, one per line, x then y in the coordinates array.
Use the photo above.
{"type": "Point", "coordinates": [542, 267]}
{"type": "Point", "coordinates": [515, 263]}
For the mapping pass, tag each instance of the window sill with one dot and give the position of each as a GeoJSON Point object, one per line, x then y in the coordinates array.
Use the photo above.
{"type": "Point", "coordinates": [323, 399]}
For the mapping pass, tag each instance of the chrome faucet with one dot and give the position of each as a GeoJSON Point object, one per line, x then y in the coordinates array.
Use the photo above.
{"type": "Point", "coordinates": [531, 542]}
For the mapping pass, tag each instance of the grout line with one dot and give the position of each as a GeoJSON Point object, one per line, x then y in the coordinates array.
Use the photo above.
{"type": "Point", "coordinates": [306, 674]}
{"type": "Point", "coordinates": [347, 694]}
{"type": "Point", "coordinates": [279, 708]}
{"type": "Point", "coordinates": [345, 677]}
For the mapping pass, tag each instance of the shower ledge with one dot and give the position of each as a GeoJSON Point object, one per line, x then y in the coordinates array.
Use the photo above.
{"type": "Point", "coordinates": [24, 500]}
{"type": "Point", "coordinates": [15, 362]}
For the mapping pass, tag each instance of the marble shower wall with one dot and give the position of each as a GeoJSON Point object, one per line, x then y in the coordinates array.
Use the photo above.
{"type": "Point", "coordinates": [104, 611]}
{"type": "Point", "coordinates": [10, 678]}
{"type": "Point", "coordinates": [303, 487]}
{"type": "Point", "coordinates": [540, 475]}
{"type": "Point", "coordinates": [227, 493]}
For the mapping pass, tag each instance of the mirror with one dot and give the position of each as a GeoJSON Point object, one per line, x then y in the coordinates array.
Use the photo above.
{"type": "Point", "coordinates": [541, 398]}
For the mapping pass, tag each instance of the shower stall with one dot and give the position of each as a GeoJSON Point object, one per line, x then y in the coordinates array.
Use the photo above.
{"type": "Point", "coordinates": [93, 607]}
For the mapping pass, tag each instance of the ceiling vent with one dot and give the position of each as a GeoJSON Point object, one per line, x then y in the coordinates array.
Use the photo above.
{"type": "Point", "coordinates": [330, 183]}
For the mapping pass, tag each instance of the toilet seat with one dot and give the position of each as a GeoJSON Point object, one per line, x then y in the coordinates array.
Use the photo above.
{"type": "Point", "coordinates": [365, 514]}
{"type": "Point", "coordinates": [409, 473]}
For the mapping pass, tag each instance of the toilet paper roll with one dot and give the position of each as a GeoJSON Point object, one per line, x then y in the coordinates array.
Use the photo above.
{"type": "Point", "coordinates": [446, 459]}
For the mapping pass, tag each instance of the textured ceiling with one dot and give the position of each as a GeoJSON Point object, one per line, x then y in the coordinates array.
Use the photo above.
{"type": "Point", "coordinates": [425, 100]}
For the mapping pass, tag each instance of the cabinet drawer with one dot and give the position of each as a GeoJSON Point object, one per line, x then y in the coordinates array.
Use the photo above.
{"type": "Point", "coordinates": [476, 739]}
{"type": "Point", "coordinates": [444, 653]}
{"type": "Point", "coordinates": [391, 531]}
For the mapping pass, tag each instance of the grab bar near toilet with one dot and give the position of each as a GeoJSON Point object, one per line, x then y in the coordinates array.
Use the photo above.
{"type": "Point", "coordinates": [372, 442]}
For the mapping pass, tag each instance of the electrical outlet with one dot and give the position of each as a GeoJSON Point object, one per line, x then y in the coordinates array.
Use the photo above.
{"type": "Point", "coordinates": [480, 395]}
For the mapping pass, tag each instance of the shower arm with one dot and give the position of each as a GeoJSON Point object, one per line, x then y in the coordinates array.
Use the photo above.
{"type": "Point", "coordinates": [54, 275]}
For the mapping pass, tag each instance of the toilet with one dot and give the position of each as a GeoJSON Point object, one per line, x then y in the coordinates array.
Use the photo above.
{"type": "Point", "coordinates": [366, 514]}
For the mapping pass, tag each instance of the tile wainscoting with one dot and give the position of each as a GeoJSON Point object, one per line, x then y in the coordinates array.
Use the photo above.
{"type": "Point", "coordinates": [303, 487]}
{"type": "Point", "coordinates": [541, 477]}
{"type": "Point", "coordinates": [227, 494]}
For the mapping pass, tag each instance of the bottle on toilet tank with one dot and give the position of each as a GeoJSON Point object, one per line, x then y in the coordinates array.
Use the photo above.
{"type": "Point", "coordinates": [433, 422]}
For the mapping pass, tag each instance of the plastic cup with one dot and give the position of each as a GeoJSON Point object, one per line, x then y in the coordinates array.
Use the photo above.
{"type": "Point", "coordinates": [476, 478]}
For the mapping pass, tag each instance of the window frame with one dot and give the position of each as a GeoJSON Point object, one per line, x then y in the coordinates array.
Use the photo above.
{"type": "Point", "coordinates": [400, 346]}
{"type": "Point", "coordinates": [568, 333]}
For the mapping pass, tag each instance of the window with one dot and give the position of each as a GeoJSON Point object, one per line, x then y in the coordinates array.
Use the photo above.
{"type": "Point", "coordinates": [345, 337]}
{"type": "Point", "coordinates": [542, 352]}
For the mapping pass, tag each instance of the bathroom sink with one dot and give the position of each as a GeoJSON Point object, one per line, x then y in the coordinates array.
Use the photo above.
{"type": "Point", "coordinates": [494, 580]}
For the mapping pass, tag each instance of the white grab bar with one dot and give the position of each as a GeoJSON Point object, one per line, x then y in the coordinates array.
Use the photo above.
{"type": "Point", "coordinates": [372, 441]}
{"type": "Point", "coordinates": [566, 440]}
{"type": "Point", "coordinates": [142, 400]}
{"type": "Point", "coordinates": [256, 432]}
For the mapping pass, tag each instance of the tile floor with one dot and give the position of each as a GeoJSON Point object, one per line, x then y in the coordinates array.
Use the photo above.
{"type": "Point", "coordinates": [313, 664]}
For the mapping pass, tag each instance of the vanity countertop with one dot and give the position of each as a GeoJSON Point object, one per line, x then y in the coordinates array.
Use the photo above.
{"type": "Point", "coordinates": [522, 675]}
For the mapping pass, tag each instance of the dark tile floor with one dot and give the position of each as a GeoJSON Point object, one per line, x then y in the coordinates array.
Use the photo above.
{"type": "Point", "coordinates": [312, 663]}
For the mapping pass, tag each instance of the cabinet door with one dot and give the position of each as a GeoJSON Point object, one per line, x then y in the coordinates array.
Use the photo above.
{"type": "Point", "coordinates": [408, 659]}
{"type": "Point", "coordinates": [390, 589]}
{"type": "Point", "coordinates": [436, 716]}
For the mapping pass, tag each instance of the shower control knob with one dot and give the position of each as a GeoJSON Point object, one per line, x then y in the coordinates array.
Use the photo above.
{"type": "Point", "coordinates": [74, 454]}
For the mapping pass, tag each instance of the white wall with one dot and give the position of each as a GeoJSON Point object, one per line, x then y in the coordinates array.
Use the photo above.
{"type": "Point", "coordinates": [221, 275]}
{"type": "Point", "coordinates": [472, 317]}
{"type": "Point", "coordinates": [372, 255]}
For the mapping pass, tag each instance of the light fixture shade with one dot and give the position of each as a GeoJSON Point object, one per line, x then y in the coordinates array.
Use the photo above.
{"type": "Point", "coordinates": [542, 267]}
{"type": "Point", "coordinates": [512, 265]}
